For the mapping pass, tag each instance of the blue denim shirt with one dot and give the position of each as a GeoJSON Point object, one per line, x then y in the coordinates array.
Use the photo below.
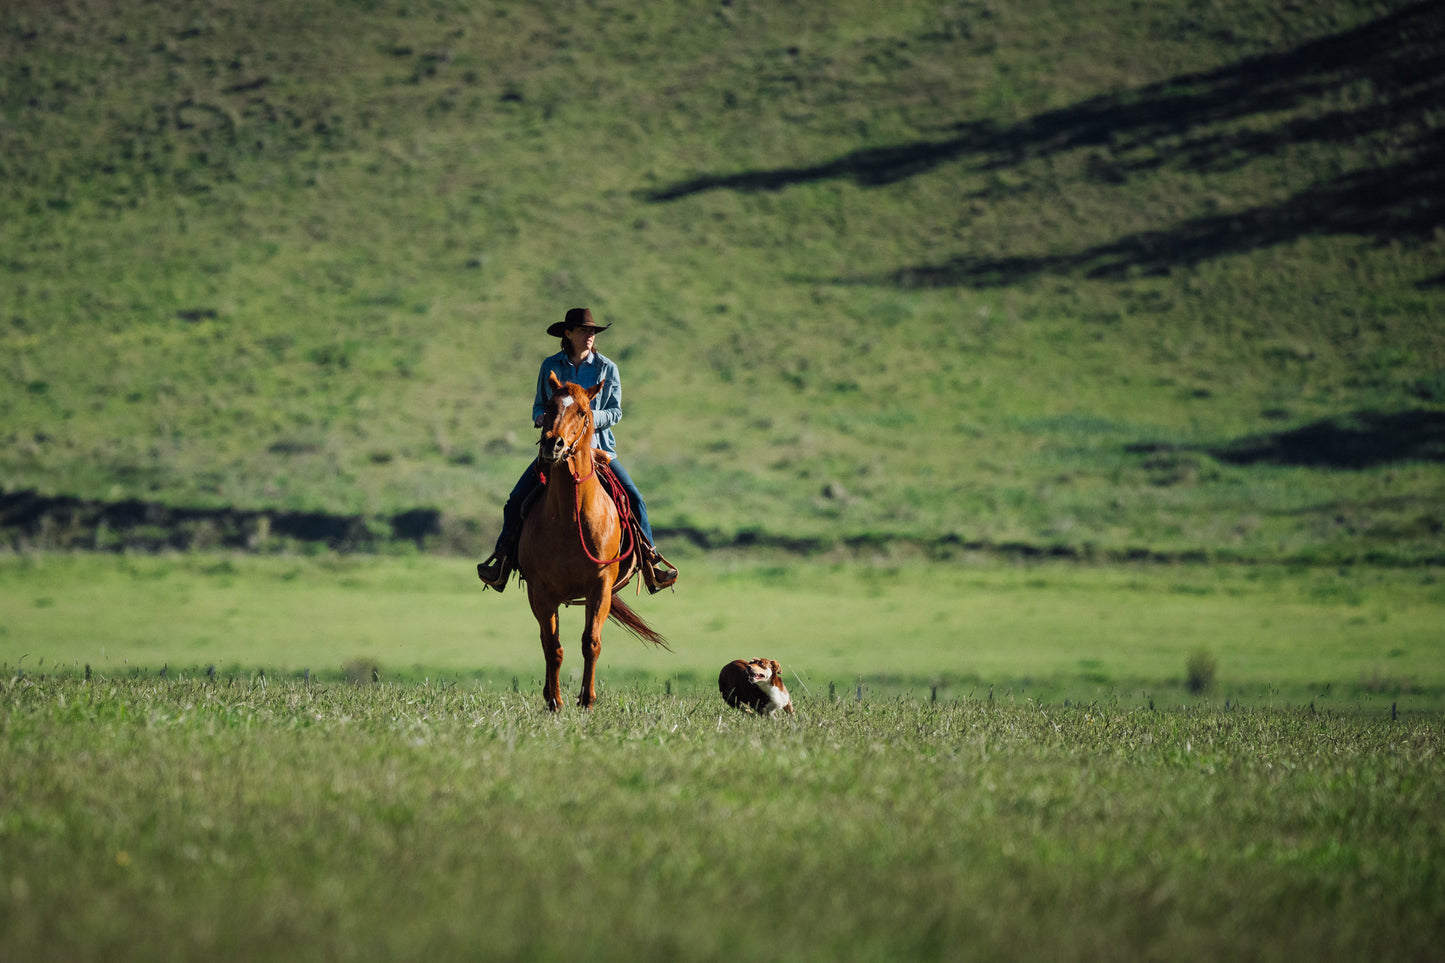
{"type": "Point", "coordinates": [606, 407]}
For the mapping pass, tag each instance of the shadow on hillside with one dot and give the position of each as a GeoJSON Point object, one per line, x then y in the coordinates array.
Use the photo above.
{"type": "Point", "coordinates": [1400, 200]}
{"type": "Point", "coordinates": [1362, 440]}
{"type": "Point", "coordinates": [29, 518]}
{"type": "Point", "coordinates": [1202, 122]}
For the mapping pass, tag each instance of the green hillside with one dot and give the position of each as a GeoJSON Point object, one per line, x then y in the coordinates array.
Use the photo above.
{"type": "Point", "coordinates": [1085, 278]}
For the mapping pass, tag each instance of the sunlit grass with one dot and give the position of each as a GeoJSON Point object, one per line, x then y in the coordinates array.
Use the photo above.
{"type": "Point", "coordinates": [941, 304]}
{"type": "Point", "coordinates": [1358, 639]}
{"type": "Point", "coordinates": [151, 819]}
{"type": "Point", "coordinates": [242, 272]}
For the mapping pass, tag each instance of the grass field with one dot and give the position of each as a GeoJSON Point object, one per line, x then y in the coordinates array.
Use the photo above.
{"type": "Point", "coordinates": [1069, 275]}
{"type": "Point", "coordinates": [1056, 389]}
{"type": "Point", "coordinates": [152, 819]}
{"type": "Point", "coordinates": [1344, 639]}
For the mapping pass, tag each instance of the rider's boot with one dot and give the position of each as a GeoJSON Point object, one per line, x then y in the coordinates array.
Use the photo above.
{"type": "Point", "coordinates": [495, 571]}
{"type": "Point", "coordinates": [657, 572]}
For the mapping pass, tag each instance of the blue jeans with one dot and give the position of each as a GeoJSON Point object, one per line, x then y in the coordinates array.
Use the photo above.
{"type": "Point", "coordinates": [531, 480]}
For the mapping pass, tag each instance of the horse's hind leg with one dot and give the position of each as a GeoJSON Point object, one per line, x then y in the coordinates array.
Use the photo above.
{"type": "Point", "coordinates": [552, 652]}
{"type": "Point", "coordinates": [598, 607]}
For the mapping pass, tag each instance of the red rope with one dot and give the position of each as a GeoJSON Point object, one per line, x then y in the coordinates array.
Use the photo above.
{"type": "Point", "coordinates": [610, 484]}
{"type": "Point", "coordinates": [614, 489]}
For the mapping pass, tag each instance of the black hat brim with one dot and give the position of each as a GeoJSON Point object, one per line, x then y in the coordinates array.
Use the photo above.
{"type": "Point", "coordinates": [556, 330]}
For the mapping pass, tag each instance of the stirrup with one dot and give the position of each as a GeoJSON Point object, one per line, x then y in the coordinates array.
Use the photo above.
{"type": "Point", "coordinates": [657, 578]}
{"type": "Point", "coordinates": [495, 571]}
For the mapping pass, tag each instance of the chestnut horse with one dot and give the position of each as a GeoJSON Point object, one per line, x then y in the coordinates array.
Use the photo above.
{"type": "Point", "coordinates": [573, 546]}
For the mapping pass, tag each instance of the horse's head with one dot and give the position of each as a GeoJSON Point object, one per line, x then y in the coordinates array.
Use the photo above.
{"type": "Point", "coordinates": [567, 423]}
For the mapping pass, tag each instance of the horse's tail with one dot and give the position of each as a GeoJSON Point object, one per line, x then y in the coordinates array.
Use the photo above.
{"type": "Point", "coordinates": [633, 623]}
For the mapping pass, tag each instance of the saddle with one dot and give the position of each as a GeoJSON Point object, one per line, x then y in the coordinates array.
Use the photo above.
{"type": "Point", "coordinates": [633, 539]}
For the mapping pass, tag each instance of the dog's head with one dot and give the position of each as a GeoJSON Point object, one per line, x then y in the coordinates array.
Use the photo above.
{"type": "Point", "coordinates": [761, 671]}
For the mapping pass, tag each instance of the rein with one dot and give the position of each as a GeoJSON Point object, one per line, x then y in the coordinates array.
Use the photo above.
{"type": "Point", "coordinates": [614, 489]}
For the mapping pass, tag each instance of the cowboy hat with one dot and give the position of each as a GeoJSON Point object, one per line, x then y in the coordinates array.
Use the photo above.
{"type": "Point", "coordinates": [576, 318]}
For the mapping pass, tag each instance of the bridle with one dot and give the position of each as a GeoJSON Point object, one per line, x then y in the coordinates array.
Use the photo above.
{"type": "Point", "coordinates": [565, 455]}
{"type": "Point", "coordinates": [619, 497]}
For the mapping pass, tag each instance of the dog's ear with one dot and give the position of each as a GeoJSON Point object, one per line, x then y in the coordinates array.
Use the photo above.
{"type": "Point", "coordinates": [777, 669]}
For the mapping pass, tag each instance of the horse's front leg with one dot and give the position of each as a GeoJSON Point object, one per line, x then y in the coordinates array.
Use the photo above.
{"type": "Point", "coordinates": [551, 651]}
{"type": "Point", "coordinates": [599, 605]}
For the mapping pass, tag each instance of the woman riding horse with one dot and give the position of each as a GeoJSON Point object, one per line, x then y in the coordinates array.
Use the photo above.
{"type": "Point", "coordinates": [579, 363]}
{"type": "Point", "coordinates": [575, 546]}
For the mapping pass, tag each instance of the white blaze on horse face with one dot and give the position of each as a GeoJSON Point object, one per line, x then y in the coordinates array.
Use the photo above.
{"type": "Point", "coordinates": [555, 447]}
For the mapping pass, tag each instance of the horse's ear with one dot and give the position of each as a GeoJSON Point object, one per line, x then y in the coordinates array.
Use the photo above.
{"type": "Point", "coordinates": [553, 380]}
{"type": "Point", "coordinates": [593, 391]}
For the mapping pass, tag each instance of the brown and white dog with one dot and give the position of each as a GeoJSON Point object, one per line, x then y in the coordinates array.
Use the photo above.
{"type": "Point", "coordinates": [754, 685]}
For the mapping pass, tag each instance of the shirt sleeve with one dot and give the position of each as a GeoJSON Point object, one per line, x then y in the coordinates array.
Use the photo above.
{"type": "Point", "coordinates": [543, 395]}
{"type": "Point", "coordinates": [607, 409]}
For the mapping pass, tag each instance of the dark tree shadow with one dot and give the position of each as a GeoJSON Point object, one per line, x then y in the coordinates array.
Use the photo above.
{"type": "Point", "coordinates": [1364, 439]}
{"type": "Point", "coordinates": [63, 521]}
{"type": "Point", "coordinates": [1400, 200]}
{"type": "Point", "coordinates": [1194, 121]}
{"type": "Point", "coordinates": [874, 167]}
